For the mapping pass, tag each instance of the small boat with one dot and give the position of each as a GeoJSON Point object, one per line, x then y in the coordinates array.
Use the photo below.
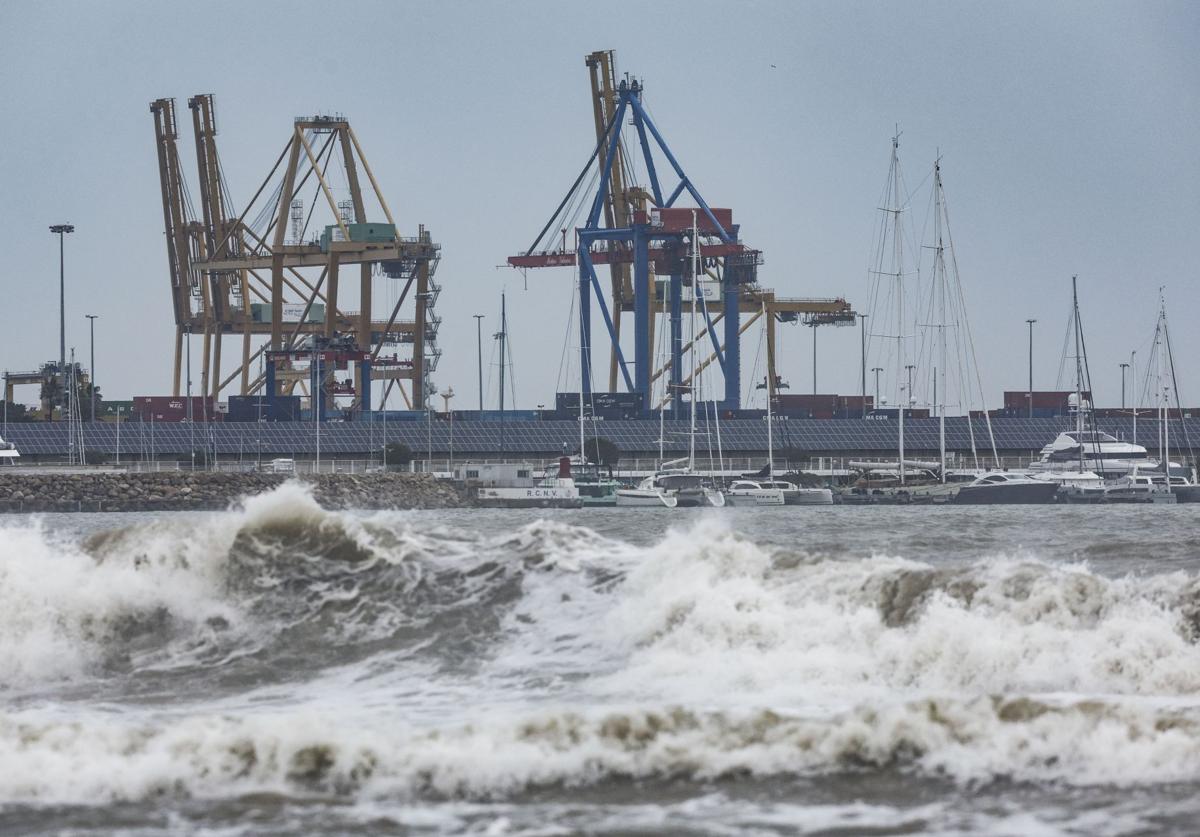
{"type": "Point", "coordinates": [1138, 488]}
{"type": "Point", "coordinates": [595, 489]}
{"type": "Point", "coordinates": [750, 493]}
{"type": "Point", "coordinates": [1004, 487]}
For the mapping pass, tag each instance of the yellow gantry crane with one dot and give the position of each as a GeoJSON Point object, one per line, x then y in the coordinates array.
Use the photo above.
{"type": "Point", "coordinates": [274, 270]}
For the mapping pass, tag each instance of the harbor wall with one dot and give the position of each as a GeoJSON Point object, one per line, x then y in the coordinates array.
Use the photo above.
{"type": "Point", "coordinates": [205, 491]}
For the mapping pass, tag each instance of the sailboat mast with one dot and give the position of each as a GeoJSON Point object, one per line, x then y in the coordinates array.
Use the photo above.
{"type": "Point", "coordinates": [503, 339]}
{"type": "Point", "coordinates": [770, 427]}
{"type": "Point", "coordinates": [582, 455]}
{"type": "Point", "coordinates": [692, 336]}
{"type": "Point", "coordinates": [1162, 367]}
{"type": "Point", "coordinates": [940, 279]}
{"type": "Point", "coordinates": [898, 273]}
{"type": "Point", "coordinates": [1078, 369]}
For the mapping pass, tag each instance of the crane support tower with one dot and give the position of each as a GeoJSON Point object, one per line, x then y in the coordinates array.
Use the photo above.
{"type": "Point", "coordinates": [241, 274]}
{"type": "Point", "coordinates": [644, 235]}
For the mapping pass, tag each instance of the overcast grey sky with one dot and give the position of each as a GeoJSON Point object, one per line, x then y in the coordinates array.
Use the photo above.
{"type": "Point", "coordinates": [1068, 131]}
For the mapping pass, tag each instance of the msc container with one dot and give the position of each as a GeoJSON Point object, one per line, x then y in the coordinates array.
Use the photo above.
{"type": "Point", "coordinates": [174, 408]}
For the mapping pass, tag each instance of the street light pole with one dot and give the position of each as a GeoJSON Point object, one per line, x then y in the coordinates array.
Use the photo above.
{"type": "Point", "coordinates": [92, 374]}
{"type": "Point", "coordinates": [191, 424]}
{"type": "Point", "coordinates": [446, 396]}
{"type": "Point", "coordinates": [62, 229]}
{"type": "Point", "coordinates": [1124, 366]}
{"type": "Point", "coordinates": [1031, 322]}
{"type": "Point", "coordinates": [1133, 366]}
{"type": "Point", "coordinates": [814, 328]}
{"type": "Point", "coordinates": [479, 352]}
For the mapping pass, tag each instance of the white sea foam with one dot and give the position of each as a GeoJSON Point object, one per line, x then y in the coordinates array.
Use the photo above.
{"type": "Point", "coordinates": [708, 615]}
{"type": "Point", "coordinates": [102, 758]}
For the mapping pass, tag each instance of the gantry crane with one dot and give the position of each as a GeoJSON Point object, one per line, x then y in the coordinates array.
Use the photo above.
{"type": "Point", "coordinates": [646, 230]}
{"type": "Point", "coordinates": [222, 262]}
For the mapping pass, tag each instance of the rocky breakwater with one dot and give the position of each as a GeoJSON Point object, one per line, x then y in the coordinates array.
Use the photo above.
{"type": "Point", "coordinates": [200, 491]}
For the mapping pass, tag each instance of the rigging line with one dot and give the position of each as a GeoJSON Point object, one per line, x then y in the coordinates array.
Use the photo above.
{"type": "Point", "coordinates": [594, 156]}
{"type": "Point", "coordinates": [564, 359]}
{"type": "Point", "coordinates": [1175, 386]}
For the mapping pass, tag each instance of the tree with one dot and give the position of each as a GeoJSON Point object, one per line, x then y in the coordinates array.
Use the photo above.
{"type": "Point", "coordinates": [17, 413]}
{"type": "Point", "coordinates": [601, 451]}
{"type": "Point", "coordinates": [397, 453]}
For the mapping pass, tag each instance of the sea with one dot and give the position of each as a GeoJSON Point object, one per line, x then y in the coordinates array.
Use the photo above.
{"type": "Point", "coordinates": [280, 669]}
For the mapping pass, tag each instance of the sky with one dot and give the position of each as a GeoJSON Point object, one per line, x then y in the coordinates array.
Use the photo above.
{"type": "Point", "coordinates": [1067, 133]}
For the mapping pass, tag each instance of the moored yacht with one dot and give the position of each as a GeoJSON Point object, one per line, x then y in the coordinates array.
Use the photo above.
{"type": "Point", "coordinates": [794, 495]}
{"type": "Point", "coordinates": [1004, 487]}
{"type": "Point", "coordinates": [1091, 450]}
{"type": "Point", "coordinates": [751, 493]}
{"type": "Point", "coordinates": [8, 452]}
{"type": "Point", "coordinates": [671, 488]}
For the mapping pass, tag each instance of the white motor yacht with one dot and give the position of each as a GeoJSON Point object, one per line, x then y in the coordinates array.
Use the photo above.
{"type": "Point", "coordinates": [8, 451]}
{"type": "Point", "coordinates": [1006, 487]}
{"type": "Point", "coordinates": [750, 493]}
{"type": "Point", "coordinates": [1090, 450]}
{"type": "Point", "coordinates": [794, 495]}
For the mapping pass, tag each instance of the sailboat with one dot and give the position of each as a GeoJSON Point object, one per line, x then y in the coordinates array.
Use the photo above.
{"type": "Point", "coordinates": [676, 485]}
{"type": "Point", "coordinates": [745, 492]}
{"type": "Point", "coordinates": [764, 489]}
{"type": "Point", "coordinates": [501, 485]}
{"type": "Point", "coordinates": [1164, 481]}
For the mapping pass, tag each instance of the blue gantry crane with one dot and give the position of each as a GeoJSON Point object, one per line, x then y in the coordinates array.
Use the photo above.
{"type": "Point", "coordinates": [649, 230]}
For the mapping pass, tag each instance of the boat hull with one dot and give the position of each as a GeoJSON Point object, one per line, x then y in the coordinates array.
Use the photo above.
{"type": "Point", "coordinates": [638, 498]}
{"type": "Point", "coordinates": [528, 498]}
{"type": "Point", "coordinates": [755, 497]}
{"type": "Point", "coordinates": [1023, 493]}
{"type": "Point", "coordinates": [808, 497]}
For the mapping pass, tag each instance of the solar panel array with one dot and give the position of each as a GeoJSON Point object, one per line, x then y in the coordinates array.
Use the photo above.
{"type": "Point", "coordinates": [836, 436]}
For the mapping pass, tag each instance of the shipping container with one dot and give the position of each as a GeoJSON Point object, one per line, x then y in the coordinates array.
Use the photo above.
{"type": "Point", "coordinates": [613, 405]}
{"type": "Point", "coordinates": [1055, 400]}
{"type": "Point", "coordinates": [263, 408]}
{"type": "Point", "coordinates": [677, 219]}
{"type": "Point", "coordinates": [172, 408]}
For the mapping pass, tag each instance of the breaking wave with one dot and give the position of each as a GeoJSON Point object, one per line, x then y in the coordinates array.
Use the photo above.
{"type": "Point", "coordinates": [971, 741]}
{"type": "Point", "coordinates": [270, 582]}
{"type": "Point", "coordinates": [568, 658]}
